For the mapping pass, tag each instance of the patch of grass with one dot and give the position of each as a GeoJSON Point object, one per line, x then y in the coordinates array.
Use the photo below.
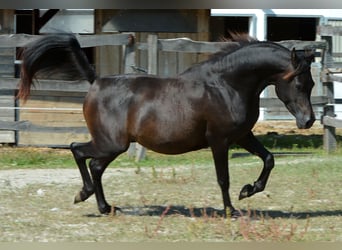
{"type": "Point", "coordinates": [13, 157]}
{"type": "Point", "coordinates": [22, 158]}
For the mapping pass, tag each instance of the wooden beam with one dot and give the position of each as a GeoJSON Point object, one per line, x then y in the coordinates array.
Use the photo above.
{"type": "Point", "coordinates": [48, 85]}
{"type": "Point", "coordinates": [332, 122]}
{"type": "Point", "coordinates": [188, 45]}
{"type": "Point", "coordinates": [21, 40]}
{"type": "Point", "coordinates": [29, 127]}
{"type": "Point", "coordinates": [47, 16]}
{"type": "Point", "coordinates": [276, 102]}
{"type": "Point", "coordinates": [329, 30]}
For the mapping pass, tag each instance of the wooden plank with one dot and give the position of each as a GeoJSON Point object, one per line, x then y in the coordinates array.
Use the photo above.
{"type": "Point", "coordinates": [329, 30]}
{"type": "Point", "coordinates": [53, 140]}
{"type": "Point", "coordinates": [7, 137]}
{"type": "Point", "coordinates": [331, 78]}
{"type": "Point", "coordinates": [129, 57]}
{"type": "Point", "coordinates": [277, 103]}
{"type": "Point", "coordinates": [21, 40]}
{"type": "Point", "coordinates": [30, 127]}
{"type": "Point", "coordinates": [49, 85]}
{"type": "Point", "coordinates": [53, 115]}
{"type": "Point", "coordinates": [187, 45]}
{"type": "Point", "coordinates": [332, 122]}
{"type": "Point", "coordinates": [303, 45]}
{"type": "Point", "coordinates": [102, 40]}
{"type": "Point", "coordinates": [7, 113]}
{"type": "Point", "coordinates": [152, 41]}
{"type": "Point", "coordinates": [329, 135]}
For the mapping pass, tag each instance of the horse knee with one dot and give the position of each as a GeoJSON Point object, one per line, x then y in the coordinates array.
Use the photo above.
{"type": "Point", "coordinates": [73, 146]}
{"type": "Point", "coordinates": [75, 149]}
{"type": "Point", "coordinates": [269, 161]}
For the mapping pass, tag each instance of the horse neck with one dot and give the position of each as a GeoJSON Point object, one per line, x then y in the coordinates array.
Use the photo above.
{"type": "Point", "coordinates": [262, 58]}
{"type": "Point", "coordinates": [259, 64]}
{"type": "Point", "coordinates": [250, 67]}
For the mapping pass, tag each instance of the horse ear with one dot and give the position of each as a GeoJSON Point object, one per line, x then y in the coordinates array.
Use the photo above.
{"type": "Point", "coordinates": [294, 58]}
{"type": "Point", "coordinates": [309, 56]}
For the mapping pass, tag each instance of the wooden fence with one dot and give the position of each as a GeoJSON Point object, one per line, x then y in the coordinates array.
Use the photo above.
{"type": "Point", "coordinates": [152, 46]}
{"type": "Point", "coordinates": [329, 76]}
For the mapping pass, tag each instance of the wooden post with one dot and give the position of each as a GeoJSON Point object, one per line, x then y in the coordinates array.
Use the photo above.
{"type": "Point", "coordinates": [152, 44]}
{"type": "Point", "coordinates": [329, 136]}
{"type": "Point", "coordinates": [129, 61]}
{"type": "Point", "coordinates": [7, 70]}
{"type": "Point", "coordinates": [152, 53]}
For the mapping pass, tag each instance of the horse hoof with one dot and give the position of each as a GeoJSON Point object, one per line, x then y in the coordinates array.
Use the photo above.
{"type": "Point", "coordinates": [235, 214]}
{"type": "Point", "coordinates": [78, 198]}
{"type": "Point", "coordinates": [246, 191]}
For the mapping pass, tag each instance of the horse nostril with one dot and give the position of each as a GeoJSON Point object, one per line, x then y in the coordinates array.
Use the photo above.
{"type": "Point", "coordinates": [310, 122]}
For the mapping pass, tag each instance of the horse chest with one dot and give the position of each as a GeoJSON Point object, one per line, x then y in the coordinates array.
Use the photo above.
{"type": "Point", "coordinates": [235, 114]}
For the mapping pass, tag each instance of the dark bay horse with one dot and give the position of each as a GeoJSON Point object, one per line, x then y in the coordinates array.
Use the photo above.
{"type": "Point", "coordinates": [212, 104]}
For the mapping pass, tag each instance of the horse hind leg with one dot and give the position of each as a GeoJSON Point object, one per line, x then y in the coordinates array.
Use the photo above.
{"type": "Point", "coordinates": [97, 167]}
{"type": "Point", "coordinates": [82, 152]}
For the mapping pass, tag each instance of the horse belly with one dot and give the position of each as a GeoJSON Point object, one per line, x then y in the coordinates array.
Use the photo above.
{"type": "Point", "coordinates": [172, 147]}
{"type": "Point", "coordinates": [172, 137]}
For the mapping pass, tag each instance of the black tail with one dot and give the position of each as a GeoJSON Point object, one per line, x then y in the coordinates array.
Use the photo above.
{"type": "Point", "coordinates": [58, 56]}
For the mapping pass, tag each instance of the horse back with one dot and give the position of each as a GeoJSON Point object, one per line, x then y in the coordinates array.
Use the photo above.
{"type": "Point", "coordinates": [159, 113]}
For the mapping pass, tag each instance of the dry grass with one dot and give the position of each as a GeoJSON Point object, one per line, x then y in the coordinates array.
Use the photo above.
{"type": "Point", "coordinates": [179, 203]}
{"type": "Point", "coordinates": [176, 198]}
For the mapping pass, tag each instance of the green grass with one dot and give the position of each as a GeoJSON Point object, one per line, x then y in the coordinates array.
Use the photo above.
{"type": "Point", "coordinates": [22, 158]}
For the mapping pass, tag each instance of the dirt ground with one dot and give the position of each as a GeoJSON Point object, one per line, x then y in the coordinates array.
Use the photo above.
{"type": "Point", "coordinates": [286, 127]}
{"type": "Point", "coordinates": [37, 204]}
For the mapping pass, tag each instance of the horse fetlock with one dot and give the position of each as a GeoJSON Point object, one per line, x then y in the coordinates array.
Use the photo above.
{"type": "Point", "coordinates": [258, 186]}
{"type": "Point", "coordinates": [233, 213]}
{"type": "Point", "coordinates": [106, 209]}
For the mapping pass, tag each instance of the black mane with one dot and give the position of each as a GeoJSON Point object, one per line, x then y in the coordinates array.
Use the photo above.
{"type": "Point", "coordinates": [235, 42]}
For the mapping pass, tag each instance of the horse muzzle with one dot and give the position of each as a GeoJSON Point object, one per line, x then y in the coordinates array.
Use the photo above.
{"type": "Point", "coordinates": [305, 122]}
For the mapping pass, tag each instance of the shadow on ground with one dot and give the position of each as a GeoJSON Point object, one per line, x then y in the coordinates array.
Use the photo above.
{"type": "Point", "coordinates": [213, 212]}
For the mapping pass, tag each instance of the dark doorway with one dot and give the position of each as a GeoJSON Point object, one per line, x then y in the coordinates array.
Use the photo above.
{"type": "Point", "coordinates": [291, 28]}
{"type": "Point", "coordinates": [220, 26]}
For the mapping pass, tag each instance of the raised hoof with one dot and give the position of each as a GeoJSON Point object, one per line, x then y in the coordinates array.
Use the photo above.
{"type": "Point", "coordinates": [246, 191]}
{"type": "Point", "coordinates": [81, 196]}
{"type": "Point", "coordinates": [78, 198]}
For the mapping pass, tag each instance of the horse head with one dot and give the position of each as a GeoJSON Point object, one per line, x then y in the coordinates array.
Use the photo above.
{"type": "Point", "coordinates": [294, 88]}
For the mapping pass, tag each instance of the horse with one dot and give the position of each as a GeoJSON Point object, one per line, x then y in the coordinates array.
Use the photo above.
{"type": "Point", "coordinates": [213, 104]}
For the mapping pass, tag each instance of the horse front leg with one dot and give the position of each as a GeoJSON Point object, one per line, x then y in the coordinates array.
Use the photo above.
{"type": "Point", "coordinates": [82, 152]}
{"type": "Point", "coordinates": [251, 144]}
{"type": "Point", "coordinates": [220, 155]}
